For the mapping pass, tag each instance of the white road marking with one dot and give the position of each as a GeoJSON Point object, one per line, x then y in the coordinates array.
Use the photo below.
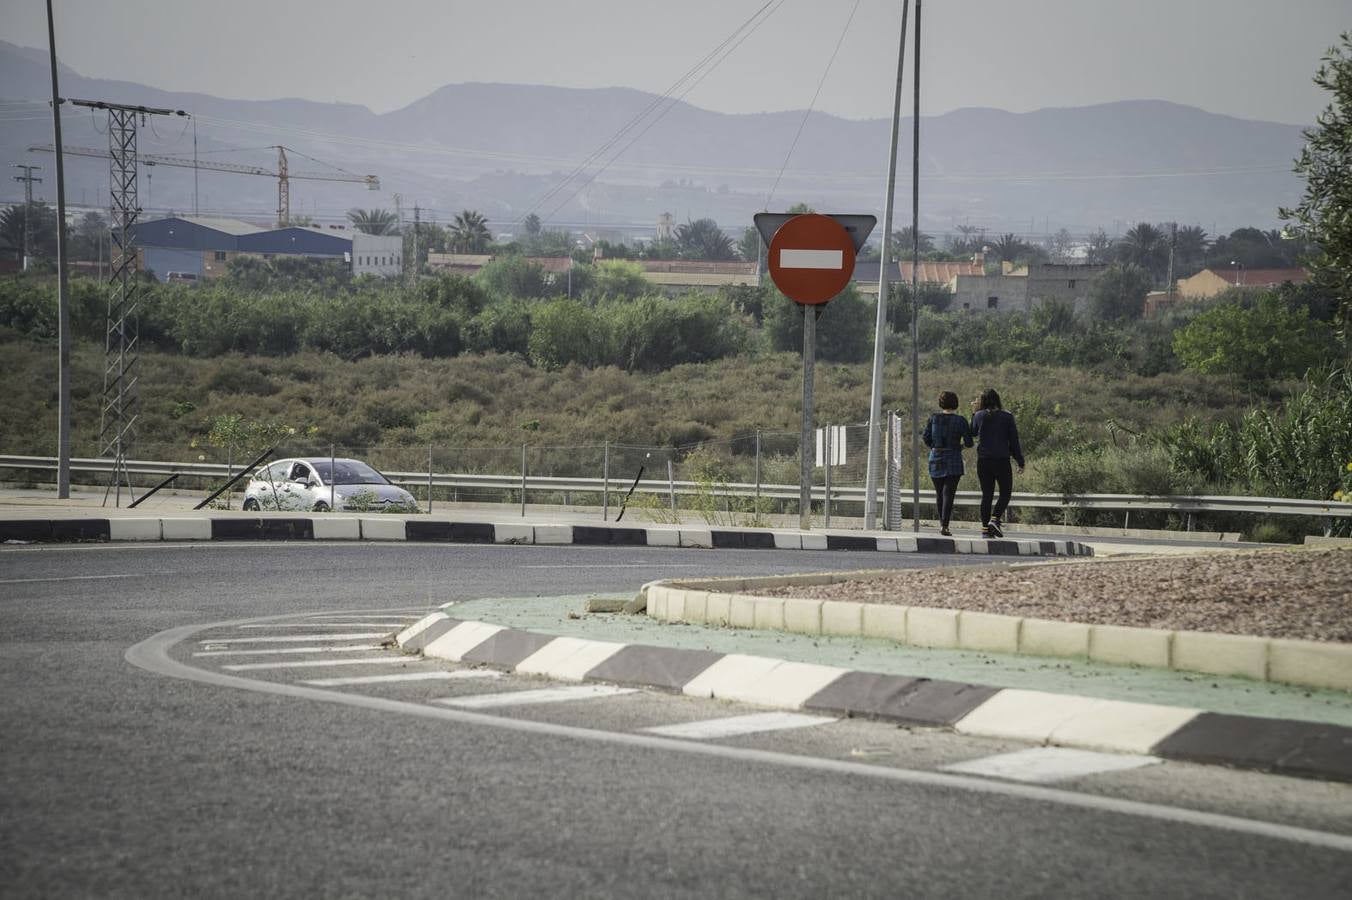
{"type": "Point", "coordinates": [353, 648]}
{"type": "Point", "coordinates": [811, 259]}
{"type": "Point", "coordinates": [711, 729]}
{"type": "Point", "coordinates": [354, 636]}
{"type": "Point", "coordinates": [615, 566]}
{"type": "Point", "coordinates": [1044, 765]}
{"type": "Point", "coordinates": [67, 578]}
{"type": "Point", "coordinates": [439, 675]}
{"type": "Point", "coordinates": [320, 663]}
{"type": "Point", "coordinates": [152, 654]}
{"type": "Point", "coordinates": [361, 616]}
{"type": "Point", "coordinates": [329, 625]}
{"type": "Point", "coordinates": [543, 695]}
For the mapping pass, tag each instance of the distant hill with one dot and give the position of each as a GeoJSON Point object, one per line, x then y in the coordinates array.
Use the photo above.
{"type": "Point", "coordinates": [500, 147]}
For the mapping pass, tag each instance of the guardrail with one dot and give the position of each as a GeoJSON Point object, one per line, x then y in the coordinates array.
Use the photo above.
{"type": "Point", "coordinates": [1125, 503]}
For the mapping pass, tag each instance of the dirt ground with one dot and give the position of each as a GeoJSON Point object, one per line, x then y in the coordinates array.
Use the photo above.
{"type": "Point", "coordinates": [1282, 594]}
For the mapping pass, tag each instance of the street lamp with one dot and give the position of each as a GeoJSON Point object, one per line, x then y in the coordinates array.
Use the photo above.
{"type": "Point", "coordinates": [1238, 270]}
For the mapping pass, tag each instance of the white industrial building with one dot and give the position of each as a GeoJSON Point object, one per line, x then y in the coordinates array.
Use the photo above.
{"type": "Point", "coordinates": [377, 254]}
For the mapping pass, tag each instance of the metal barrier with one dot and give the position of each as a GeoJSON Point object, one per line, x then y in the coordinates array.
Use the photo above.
{"type": "Point", "coordinates": [514, 482]}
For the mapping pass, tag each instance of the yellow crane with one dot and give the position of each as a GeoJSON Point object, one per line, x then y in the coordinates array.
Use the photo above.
{"type": "Point", "coordinates": [282, 174]}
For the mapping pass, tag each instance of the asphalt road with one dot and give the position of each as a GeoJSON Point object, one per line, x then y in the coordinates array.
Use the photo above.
{"type": "Point", "coordinates": [117, 781]}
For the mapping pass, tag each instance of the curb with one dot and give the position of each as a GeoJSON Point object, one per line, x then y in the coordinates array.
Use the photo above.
{"type": "Point", "coordinates": [449, 531]}
{"type": "Point", "coordinates": [728, 602]}
{"type": "Point", "coordinates": [1280, 746]}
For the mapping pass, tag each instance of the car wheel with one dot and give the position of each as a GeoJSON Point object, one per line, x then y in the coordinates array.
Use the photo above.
{"type": "Point", "coordinates": [321, 506]}
{"type": "Point", "coordinates": [251, 505]}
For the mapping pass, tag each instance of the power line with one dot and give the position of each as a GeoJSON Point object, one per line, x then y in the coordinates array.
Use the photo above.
{"type": "Point", "coordinates": [807, 112]}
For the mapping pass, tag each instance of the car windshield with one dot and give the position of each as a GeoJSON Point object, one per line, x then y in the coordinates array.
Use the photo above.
{"type": "Point", "coordinates": [348, 471]}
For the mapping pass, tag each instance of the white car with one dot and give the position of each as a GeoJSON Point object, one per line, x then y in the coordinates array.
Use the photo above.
{"type": "Point", "coordinates": [321, 484]}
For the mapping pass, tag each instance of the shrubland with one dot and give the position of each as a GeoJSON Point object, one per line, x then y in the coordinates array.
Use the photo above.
{"type": "Point", "coordinates": [1105, 405]}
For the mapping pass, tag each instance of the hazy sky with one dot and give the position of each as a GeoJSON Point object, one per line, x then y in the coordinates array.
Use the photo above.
{"type": "Point", "coordinates": [1239, 57]}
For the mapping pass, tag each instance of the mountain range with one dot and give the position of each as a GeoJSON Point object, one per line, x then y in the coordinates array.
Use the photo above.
{"type": "Point", "coordinates": [503, 148]}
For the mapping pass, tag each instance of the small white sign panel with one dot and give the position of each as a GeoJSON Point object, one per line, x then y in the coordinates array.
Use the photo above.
{"type": "Point", "coordinates": [837, 445]}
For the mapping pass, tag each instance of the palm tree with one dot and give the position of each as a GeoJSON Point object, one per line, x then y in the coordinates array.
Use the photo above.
{"type": "Point", "coordinates": [374, 221]}
{"type": "Point", "coordinates": [1190, 245]}
{"type": "Point", "coordinates": [902, 240]}
{"type": "Point", "coordinates": [969, 239]}
{"type": "Point", "coordinates": [703, 239]}
{"type": "Point", "coordinates": [1146, 246]}
{"type": "Point", "coordinates": [1010, 247]}
{"type": "Point", "coordinates": [532, 224]}
{"type": "Point", "coordinates": [469, 232]}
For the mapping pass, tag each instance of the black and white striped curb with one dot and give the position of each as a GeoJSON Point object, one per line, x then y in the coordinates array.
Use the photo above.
{"type": "Point", "coordinates": [385, 528]}
{"type": "Point", "coordinates": [1276, 745]}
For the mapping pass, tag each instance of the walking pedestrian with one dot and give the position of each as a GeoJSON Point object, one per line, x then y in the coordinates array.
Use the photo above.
{"type": "Point", "coordinates": [946, 433]}
{"type": "Point", "coordinates": [998, 436]}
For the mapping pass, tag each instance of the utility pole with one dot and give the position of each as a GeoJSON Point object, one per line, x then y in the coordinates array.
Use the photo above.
{"type": "Point", "coordinates": [417, 225]}
{"type": "Point", "coordinates": [119, 405]}
{"type": "Point", "coordinates": [283, 190]}
{"type": "Point", "coordinates": [915, 285]}
{"type": "Point", "coordinates": [880, 319]}
{"type": "Point", "coordinates": [62, 293]}
{"type": "Point", "coordinates": [27, 179]}
{"type": "Point", "coordinates": [1173, 244]}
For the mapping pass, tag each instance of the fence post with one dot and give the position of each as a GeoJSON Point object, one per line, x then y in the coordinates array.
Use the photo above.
{"type": "Point", "coordinates": [756, 508]}
{"type": "Point", "coordinates": [671, 487]}
{"type": "Point", "coordinates": [826, 460]}
{"type": "Point", "coordinates": [605, 484]}
{"type": "Point", "coordinates": [333, 477]}
{"type": "Point", "coordinates": [429, 478]}
{"type": "Point", "coordinates": [523, 481]}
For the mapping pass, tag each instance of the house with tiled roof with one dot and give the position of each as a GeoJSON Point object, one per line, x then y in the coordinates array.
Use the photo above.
{"type": "Point", "coordinates": [1213, 281]}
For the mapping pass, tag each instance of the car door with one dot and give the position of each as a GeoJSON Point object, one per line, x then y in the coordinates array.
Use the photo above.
{"type": "Point", "coordinates": [295, 492]}
{"type": "Point", "coordinates": [267, 484]}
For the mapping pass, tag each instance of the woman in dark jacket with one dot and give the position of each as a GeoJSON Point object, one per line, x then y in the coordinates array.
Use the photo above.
{"type": "Point", "coordinates": [999, 436]}
{"type": "Point", "coordinates": [946, 433]}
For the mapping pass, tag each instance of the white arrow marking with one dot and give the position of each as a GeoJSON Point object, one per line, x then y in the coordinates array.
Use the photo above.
{"type": "Point", "coordinates": [811, 259]}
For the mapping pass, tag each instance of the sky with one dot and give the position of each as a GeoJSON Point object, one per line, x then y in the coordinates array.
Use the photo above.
{"type": "Point", "coordinates": [1240, 58]}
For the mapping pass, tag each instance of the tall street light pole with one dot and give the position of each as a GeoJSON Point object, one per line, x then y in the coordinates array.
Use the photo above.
{"type": "Point", "coordinates": [915, 283]}
{"type": "Point", "coordinates": [62, 306]}
{"type": "Point", "coordinates": [880, 319]}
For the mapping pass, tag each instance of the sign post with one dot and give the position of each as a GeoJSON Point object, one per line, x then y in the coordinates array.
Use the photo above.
{"type": "Point", "coordinates": [811, 260]}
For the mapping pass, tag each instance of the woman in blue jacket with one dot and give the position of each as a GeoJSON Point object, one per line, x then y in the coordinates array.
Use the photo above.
{"type": "Point", "coordinates": [946, 433]}
{"type": "Point", "coordinates": [999, 436]}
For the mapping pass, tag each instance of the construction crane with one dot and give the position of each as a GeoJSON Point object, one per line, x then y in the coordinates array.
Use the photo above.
{"type": "Point", "coordinates": [282, 174]}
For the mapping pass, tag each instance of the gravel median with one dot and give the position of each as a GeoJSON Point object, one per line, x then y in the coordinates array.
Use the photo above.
{"type": "Point", "coordinates": [1279, 594]}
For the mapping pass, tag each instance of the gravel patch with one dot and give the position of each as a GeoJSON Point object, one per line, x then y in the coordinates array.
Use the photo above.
{"type": "Point", "coordinates": [1278, 594]}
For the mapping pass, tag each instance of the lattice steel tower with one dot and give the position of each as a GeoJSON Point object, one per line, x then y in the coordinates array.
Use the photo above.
{"type": "Point", "coordinates": [121, 401]}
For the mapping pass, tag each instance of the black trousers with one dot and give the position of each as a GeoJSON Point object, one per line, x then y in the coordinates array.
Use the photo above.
{"type": "Point", "coordinates": [945, 489]}
{"type": "Point", "coordinates": [991, 472]}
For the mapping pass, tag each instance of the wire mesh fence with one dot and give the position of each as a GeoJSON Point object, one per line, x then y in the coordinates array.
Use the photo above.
{"type": "Point", "coordinates": [752, 478]}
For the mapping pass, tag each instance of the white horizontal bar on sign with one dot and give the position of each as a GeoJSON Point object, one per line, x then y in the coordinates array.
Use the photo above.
{"type": "Point", "coordinates": [811, 259]}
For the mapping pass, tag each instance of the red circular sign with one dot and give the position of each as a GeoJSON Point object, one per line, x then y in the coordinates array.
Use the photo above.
{"type": "Point", "coordinates": [811, 258]}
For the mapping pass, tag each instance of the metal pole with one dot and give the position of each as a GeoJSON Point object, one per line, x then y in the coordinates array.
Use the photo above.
{"type": "Point", "coordinates": [826, 431]}
{"type": "Point", "coordinates": [671, 486]}
{"type": "Point", "coordinates": [523, 481]}
{"type": "Point", "coordinates": [915, 284]}
{"type": "Point", "coordinates": [62, 298]}
{"type": "Point", "coordinates": [880, 319]}
{"type": "Point", "coordinates": [333, 478]}
{"type": "Point", "coordinates": [429, 479]}
{"type": "Point", "coordinates": [805, 443]}
{"type": "Point", "coordinates": [605, 483]}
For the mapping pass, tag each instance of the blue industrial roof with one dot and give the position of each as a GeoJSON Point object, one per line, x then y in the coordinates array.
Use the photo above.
{"type": "Point", "coordinates": [182, 233]}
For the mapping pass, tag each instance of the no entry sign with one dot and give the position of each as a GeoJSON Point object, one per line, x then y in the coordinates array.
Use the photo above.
{"type": "Point", "coordinates": [811, 258]}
